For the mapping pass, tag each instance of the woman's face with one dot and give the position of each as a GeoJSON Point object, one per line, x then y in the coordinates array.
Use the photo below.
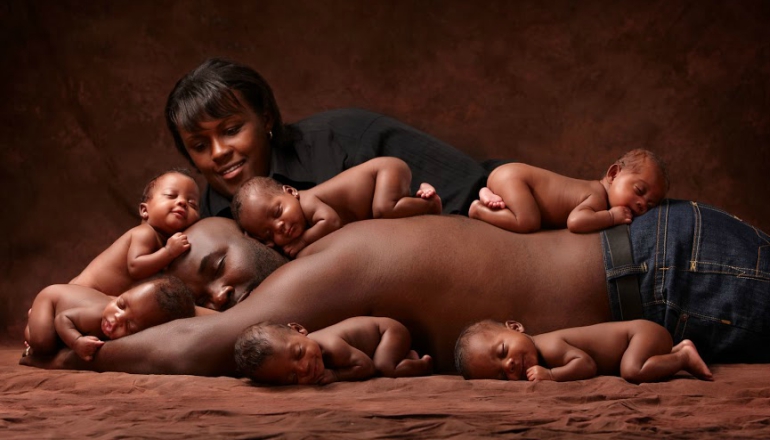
{"type": "Point", "coordinates": [230, 150]}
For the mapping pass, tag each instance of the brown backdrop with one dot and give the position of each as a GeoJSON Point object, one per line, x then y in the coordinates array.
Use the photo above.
{"type": "Point", "coordinates": [562, 85]}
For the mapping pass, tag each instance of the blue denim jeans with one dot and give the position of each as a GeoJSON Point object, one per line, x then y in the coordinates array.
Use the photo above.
{"type": "Point", "coordinates": [704, 275]}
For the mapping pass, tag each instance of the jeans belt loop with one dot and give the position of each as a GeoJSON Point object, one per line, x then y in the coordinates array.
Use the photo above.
{"type": "Point", "coordinates": [627, 286]}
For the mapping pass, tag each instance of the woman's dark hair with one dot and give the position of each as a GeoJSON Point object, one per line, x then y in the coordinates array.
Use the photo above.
{"type": "Point", "coordinates": [208, 92]}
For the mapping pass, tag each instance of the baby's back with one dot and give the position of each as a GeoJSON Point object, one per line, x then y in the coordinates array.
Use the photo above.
{"type": "Point", "coordinates": [557, 195]}
{"type": "Point", "coordinates": [606, 342]}
{"type": "Point", "coordinates": [108, 272]}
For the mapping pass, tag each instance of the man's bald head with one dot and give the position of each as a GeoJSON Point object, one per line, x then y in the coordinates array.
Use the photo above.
{"type": "Point", "coordinates": [223, 265]}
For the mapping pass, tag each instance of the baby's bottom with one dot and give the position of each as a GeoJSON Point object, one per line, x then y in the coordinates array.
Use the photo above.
{"type": "Point", "coordinates": [507, 202]}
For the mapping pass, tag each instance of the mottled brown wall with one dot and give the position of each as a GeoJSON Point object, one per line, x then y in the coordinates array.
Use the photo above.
{"type": "Point", "coordinates": [562, 85]}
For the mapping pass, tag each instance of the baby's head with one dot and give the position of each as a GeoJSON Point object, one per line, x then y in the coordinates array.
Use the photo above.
{"type": "Point", "coordinates": [170, 201]}
{"type": "Point", "coordinates": [495, 350]}
{"type": "Point", "coordinates": [157, 300]}
{"type": "Point", "coordinates": [269, 211]}
{"type": "Point", "coordinates": [279, 355]}
{"type": "Point", "coordinates": [638, 180]}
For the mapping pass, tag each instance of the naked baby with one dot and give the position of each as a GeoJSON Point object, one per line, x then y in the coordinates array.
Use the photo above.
{"type": "Point", "coordinates": [280, 215]}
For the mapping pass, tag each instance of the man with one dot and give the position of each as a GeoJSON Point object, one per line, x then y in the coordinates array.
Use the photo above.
{"type": "Point", "coordinates": [437, 274]}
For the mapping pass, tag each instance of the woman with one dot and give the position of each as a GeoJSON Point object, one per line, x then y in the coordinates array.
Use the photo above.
{"type": "Point", "coordinates": [225, 121]}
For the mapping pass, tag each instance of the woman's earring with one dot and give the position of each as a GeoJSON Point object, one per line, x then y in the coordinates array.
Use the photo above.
{"type": "Point", "coordinates": [270, 134]}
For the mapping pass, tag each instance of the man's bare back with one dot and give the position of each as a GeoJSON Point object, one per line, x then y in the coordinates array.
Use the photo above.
{"type": "Point", "coordinates": [431, 273]}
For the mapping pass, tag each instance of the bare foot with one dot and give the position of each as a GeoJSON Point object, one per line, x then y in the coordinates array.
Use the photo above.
{"type": "Point", "coordinates": [490, 199]}
{"type": "Point", "coordinates": [694, 363]}
{"type": "Point", "coordinates": [476, 206]}
{"type": "Point", "coordinates": [414, 367]}
{"type": "Point", "coordinates": [428, 192]}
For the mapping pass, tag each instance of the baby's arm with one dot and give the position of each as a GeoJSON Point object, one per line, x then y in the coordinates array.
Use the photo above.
{"type": "Point", "coordinates": [323, 221]}
{"type": "Point", "coordinates": [592, 215]}
{"type": "Point", "coordinates": [348, 362]}
{"type": "Point", "coordinates": [67, 325]}
{"type": "Point", "coordinates": [568, 362]}
{"type": "Point", "coordinates": [145, 258]}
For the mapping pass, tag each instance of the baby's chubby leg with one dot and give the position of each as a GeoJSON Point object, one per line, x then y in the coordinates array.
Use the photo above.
{"type": "Point", "coordinates": [392, 198]}
{"type": "Point", "coordinates": [520, 213]}
{"type": "Point", "coordinates": [692, 361]}
{"type": "Point", "coordinates": [41, 333]}
{"type": "Point", "coordinates": [394, 357]}
{"type": "Point", "coordinates": [414, 365]}
{"type": "Point", "coordinates": [650, 357]}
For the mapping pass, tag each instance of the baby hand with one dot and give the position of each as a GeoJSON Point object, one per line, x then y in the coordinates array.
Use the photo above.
{"type": "Point", "coordinates": [328, 377]}
{"type": "Point", "coordinates": [621, 215]}
{"type": "Point", "coordinates": [538, 372]}
{"type": "Point", "coordinates": [86, 346]}
{"type": "Point", "coordinates": [177, 244]}
{"type": "Point", "coordinates": [293, 248]}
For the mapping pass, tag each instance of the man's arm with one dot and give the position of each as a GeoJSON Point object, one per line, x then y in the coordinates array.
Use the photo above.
{"type": "Point", "coordinates": [299, 291]}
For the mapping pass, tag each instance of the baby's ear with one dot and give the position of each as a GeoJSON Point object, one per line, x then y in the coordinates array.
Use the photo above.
{"type": "Point", "coordinates": [291, 190]}
{"type": "Point", "coordinates": [613, 172]}
{"type": "Point", "coordinates": [143, 211]}
{"type": "Point", "coordinates": [515, 325]}
{"type": "Point", "coordinates": [298, 328]}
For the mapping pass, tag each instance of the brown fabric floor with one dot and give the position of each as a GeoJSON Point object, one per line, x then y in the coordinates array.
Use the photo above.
{"type": "Point", "coordinates": [38, 403]}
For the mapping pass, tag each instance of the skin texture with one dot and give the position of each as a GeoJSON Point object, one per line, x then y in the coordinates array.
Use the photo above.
{"type": "Point", "coordinates": [378, 188]}
{"type": "Point", "coordinates": [81, 317]}
{"type": "Point", "coordinates": [639, 351]}
{"type": "Point", "coordinates": [400, 268]}
{"type": "Point", "coordinates": [354, 349]}
{"type": "Point", "coordinates": [148, 248]}
{"type": "Point", "coordinates": [522, 198]}
{"type": "Point", "coordinates": [232, 150]}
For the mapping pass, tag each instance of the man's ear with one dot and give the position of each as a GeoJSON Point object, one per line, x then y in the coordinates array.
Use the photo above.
{"type": "Point", "coordinates": [613, 172]}
{"type": "Point", "coordinates": [515, 325]}
{"type": "Point", "coordinates": [143, 213]}
{"type": "Point", "coordinates": [291, 190]}
{"type": "Point", "coordinates": [298, 328]}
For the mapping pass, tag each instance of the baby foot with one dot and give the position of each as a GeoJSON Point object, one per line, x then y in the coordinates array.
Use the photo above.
{"type": "Point", "coordinates": [490, 199]}
{"type": "Point", "coordinates": [426, 191]}
{"type": "Point", "coordinates": [694, 363]}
